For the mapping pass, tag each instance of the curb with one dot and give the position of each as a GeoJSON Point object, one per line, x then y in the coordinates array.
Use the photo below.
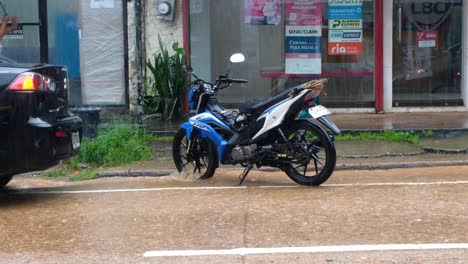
{"type": "Point", "coordinates": [339, 167]}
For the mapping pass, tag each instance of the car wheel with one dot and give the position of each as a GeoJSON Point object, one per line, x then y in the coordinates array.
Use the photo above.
{"type": "Point", "coordinates": [4, 180]}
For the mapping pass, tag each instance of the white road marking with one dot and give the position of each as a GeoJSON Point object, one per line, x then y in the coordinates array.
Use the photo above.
{"type": "Point", "coordinates": [344, 185]}
{"type": "Point", "coordinates": [314, 249]}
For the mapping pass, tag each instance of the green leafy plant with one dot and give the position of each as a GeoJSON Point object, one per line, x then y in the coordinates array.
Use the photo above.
{"type": "Point", "coordinates": [166, 80]}
{"type": "Point", "coordinates": [122, 144]}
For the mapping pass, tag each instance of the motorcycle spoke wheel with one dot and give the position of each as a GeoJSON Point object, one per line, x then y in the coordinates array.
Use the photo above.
{"type": "Point", "coordinates": [313, 141]}
{"type": "Point", "coordinates": [199, 162]}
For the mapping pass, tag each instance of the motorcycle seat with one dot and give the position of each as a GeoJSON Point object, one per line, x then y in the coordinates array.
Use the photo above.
{"type": "Point", "coordinates": [256, 107]}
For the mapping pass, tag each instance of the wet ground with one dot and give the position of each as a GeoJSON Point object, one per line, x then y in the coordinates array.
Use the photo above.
{"type": "Point", "coordinates": [383, 216]}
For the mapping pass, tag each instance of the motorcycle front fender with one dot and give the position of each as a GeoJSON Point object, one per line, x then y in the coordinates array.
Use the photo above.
{"type": "Point", "coordinates": [327, 122]}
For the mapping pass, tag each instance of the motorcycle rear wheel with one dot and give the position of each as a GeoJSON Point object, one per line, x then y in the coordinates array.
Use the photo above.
{"type": "Point", "coordinates": [321, 150]}
{"type": "Point", "coordinates": [200, 162]}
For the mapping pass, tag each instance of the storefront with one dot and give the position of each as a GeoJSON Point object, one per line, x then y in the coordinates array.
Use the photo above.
{"type": "Point", "coordinates": [86, 36]}
{"type": "Point", "coordinates": [379, 55]}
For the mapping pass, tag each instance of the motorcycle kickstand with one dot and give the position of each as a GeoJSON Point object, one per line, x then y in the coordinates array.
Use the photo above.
{"type": "Point", "coordinates": [244, 174]}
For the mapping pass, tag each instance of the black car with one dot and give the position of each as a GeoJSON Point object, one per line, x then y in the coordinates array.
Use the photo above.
{"type": "Point", "coordinates": [36, 128]}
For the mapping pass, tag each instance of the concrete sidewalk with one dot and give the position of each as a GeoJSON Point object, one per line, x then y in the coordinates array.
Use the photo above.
{"type": "Point", "coordinates": [447, 147]}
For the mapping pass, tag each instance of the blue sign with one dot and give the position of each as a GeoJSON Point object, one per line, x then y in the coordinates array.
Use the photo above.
{"type": "Point", "coordinates": [345, 12]}
{"type": "Point", "coordinates": [303, 44]}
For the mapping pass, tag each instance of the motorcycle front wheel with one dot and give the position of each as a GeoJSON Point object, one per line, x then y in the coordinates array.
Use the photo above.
{"type": "Point", "coordinates": [199, 162]}
{"type": "Point", "coordinates": [319, 151]}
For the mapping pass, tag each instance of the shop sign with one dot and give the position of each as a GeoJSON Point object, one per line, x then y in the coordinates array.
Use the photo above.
{"type": "Point", "coordinates": [427, 14]}
{"type": "Point", "coordinates": [15, 34]}
{"type": "Point", "coordinates": [345, 48]}
{"type": "Point", "coordinates": [427, 39]}
{"type": "Point", "coordinates": [345, 23]}
{"type": "Point", "coordinates": [263, 12]}
{"type": "Point", "coordinates": [303, 31]}
{"type": "Point", "coordinates": [345, 12]}
{"type": "Point", "coordinates": [345, 27]}
{"type": "Point", "coordinates": [303, 36]}
{"type": "Point", "coordinates": [303, 45]}
{"type": "Point", "coordinates": [345, 2]}
{"type": "Point", "coordinates": [345, 35]}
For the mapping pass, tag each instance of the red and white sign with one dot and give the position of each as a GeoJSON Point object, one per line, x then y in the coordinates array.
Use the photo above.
{"type": "Point", "coordinates": [345, 48]}
{"type": "Point", "coordinates": [427, 39]}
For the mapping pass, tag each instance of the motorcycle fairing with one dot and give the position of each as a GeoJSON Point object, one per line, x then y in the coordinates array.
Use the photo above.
{"type": "Point", "coordinates": [200, 125]}
{"type": "Point", "coordinates": [274, 116]}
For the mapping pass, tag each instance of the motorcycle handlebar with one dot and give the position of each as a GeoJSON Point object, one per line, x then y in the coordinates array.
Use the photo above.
{"type": "Point", "coordinates": [238, 81]}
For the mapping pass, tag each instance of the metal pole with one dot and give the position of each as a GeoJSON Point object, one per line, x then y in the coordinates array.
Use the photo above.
{"type": "Point", "coordinates": [139, 59]}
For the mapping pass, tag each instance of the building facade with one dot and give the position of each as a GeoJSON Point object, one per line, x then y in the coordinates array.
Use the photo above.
{"type": "Point", "coordinates": [380, 56]}
{"type": "Point", "coordinates": [400, 55]}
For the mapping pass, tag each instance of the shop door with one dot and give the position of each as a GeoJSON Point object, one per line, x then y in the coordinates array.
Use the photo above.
{"type": "Point", "coordinates": [427, 49]}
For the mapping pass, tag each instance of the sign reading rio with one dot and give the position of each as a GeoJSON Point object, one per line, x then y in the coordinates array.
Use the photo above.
{"type": "Point", "coordinates": [345, 48]}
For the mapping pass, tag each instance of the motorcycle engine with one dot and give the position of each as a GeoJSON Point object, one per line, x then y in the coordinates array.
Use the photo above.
{"type": "Point", "coordinates": [242, 153]}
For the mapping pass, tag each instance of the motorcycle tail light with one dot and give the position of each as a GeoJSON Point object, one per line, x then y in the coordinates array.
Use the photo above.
{"type": "Point", "coordinates": [31, 81]}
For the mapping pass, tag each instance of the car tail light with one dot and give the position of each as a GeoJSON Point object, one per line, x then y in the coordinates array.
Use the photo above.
{"type": "Point", "coordinates": [31, 81]}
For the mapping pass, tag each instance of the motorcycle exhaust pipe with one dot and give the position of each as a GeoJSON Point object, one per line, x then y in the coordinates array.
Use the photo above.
{"type": "Point", "coordinates": [327, 122]}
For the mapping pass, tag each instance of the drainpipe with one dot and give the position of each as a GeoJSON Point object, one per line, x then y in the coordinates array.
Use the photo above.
{"type": "Point", "coordinates": [139, 59]}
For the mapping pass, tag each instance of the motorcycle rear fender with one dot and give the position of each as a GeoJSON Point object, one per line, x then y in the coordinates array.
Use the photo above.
{"type": "Point", "coordinates": [194, 128]}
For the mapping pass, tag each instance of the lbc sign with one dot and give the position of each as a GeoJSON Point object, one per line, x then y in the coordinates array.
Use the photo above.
{"type": "Point", "coordinates": [427, 14]}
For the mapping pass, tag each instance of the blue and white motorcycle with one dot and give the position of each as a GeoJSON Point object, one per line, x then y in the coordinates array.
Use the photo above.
{"type": "Point", "coordinates": [268, 133]}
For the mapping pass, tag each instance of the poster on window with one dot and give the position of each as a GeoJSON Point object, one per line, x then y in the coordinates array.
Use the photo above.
{"type": "Point", "coordinates": [427, 39]}
{"type": "Point", "coordinates": [303, 36]}
{"type": "Point", "coordinates": [263, 12]}
{"type": "Point", "coordinates": [345, 32]}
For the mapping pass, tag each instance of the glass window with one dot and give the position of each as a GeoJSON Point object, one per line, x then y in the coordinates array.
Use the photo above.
{"type": "Point", "coordinates": [287, 42]}
{"type": "Point", "coordinates": [25, 46]}
{"type": "Point", "coordinates": [427, 53]}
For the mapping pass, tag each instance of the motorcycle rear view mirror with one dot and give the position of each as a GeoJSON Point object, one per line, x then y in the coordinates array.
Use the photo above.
{"type": "Point", "coordinates": [237, 58]}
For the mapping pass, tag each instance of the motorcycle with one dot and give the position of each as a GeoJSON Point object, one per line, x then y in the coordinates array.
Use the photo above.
{"type": "Point", "coordinates": [268, 133]}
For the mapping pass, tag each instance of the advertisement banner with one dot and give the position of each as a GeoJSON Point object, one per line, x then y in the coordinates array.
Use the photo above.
{"type": "Point", "coordinates": [263, 12]}
{"type": "Point", "coordinates": [303, 36]}
{"type": "Point", "coordinates": [345, 12]}
{"type": "Point", "coordinates": [346, 35]}
{"type": "Point", "coordinates": [345, 48]}
{"type": "Point", "coordinates": [427, 39]}
{"type": "Point", "coordinates": [345, 25]}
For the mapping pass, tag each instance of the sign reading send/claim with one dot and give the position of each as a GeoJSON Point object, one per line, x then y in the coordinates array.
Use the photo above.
{"type": "Point", "coordinates": [303, 21]}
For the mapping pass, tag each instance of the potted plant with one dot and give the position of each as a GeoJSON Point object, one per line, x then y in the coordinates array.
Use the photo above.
{"type": "Point", "coordinates": [167, 82]}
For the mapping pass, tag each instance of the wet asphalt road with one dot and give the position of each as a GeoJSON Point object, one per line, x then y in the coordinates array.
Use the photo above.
{"type": "Point", "coordinates": [121, 220]}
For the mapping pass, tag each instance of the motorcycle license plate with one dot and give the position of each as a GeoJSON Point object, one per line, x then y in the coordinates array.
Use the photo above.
{"type": "Point", "coordinates": [319, 111]}
{"type": "Point", "coordinates": [76, 140]}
